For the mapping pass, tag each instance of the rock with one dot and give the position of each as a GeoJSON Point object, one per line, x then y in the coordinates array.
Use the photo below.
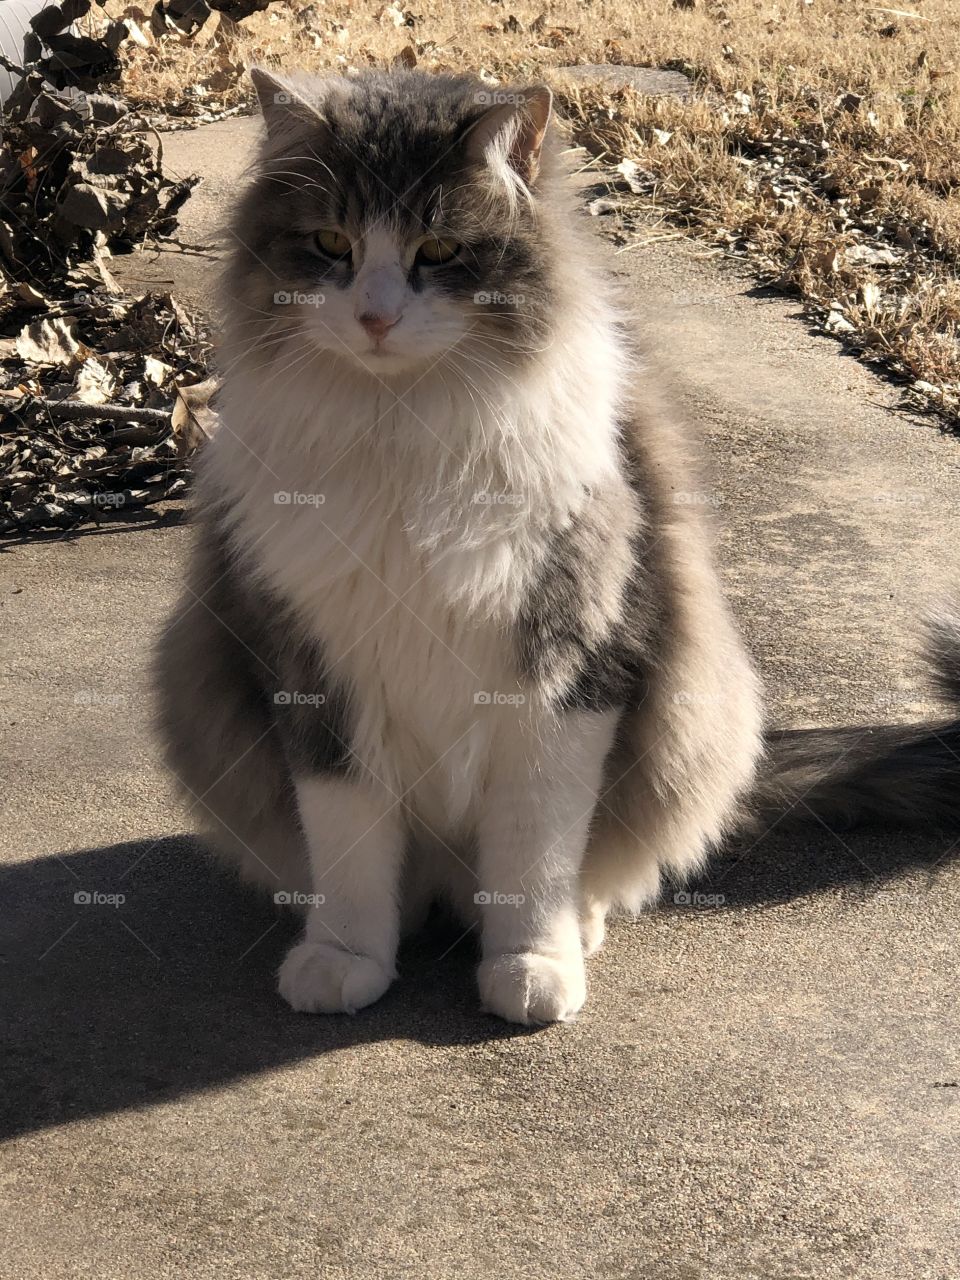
{"type": "Point", "coordinates": [634, 179]}
{"type": "Point", "coordinates": [647, 80]}
{"type": "Point", "coordinates": [837, 323]}
{"type": "Point", "coordinates": [868, 255]}
{"type": "Point", "coordinates": [603, 205]}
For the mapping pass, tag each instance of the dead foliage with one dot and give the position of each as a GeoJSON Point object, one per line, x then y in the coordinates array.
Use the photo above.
{"type": "Point", "coordinates": [103, 396]}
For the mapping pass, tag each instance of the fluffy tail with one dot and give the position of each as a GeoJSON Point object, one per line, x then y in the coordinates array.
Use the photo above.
{"type": "Point", "coordinates": [892, 775]}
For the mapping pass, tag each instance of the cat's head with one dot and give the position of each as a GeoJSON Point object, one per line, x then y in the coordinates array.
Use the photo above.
{"type": "Point", "coordinates": [394, 221]}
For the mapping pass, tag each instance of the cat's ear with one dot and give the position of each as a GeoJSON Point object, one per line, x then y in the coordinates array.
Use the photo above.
{"type": "Point", "coordinates": [516, 126]}
{"type": "Point", "coordinates": [285, 111]}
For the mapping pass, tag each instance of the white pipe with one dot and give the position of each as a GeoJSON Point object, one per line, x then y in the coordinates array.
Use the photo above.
{"type": "Point", "coordinates": [15, 18]}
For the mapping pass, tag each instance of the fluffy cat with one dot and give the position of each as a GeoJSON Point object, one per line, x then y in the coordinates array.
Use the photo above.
{"type": "Point", "coordinates": [449, 632]}
{"type": "Point", "coordinates": [452, 628]}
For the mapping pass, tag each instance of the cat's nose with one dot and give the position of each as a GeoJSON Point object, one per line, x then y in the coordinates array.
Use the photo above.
{"type": "Point", "coordinates": [377, 324]}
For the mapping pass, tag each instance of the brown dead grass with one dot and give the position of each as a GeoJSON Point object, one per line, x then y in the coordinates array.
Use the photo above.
{"type": "Point", "coordinates": [823, 132]}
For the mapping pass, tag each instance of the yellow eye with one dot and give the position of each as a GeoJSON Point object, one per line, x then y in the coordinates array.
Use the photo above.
{"type": "Point", "coordinates": [434, 252]}
{"type": "Point", "coordinates": [333, 243]}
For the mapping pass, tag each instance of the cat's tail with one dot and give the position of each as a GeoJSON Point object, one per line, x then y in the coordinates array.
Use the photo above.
{"type": "Point", "coordinates": [892, 775]}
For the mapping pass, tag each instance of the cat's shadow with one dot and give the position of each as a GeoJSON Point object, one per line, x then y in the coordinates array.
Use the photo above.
{"type": "Point", "coordinates": [133, 974]}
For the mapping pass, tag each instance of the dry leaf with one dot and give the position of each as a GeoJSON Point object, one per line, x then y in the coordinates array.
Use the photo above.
{"type": "Point", "coordinates": [156, 371]}
{"type": "Point", "coordinates": [871, 295]}
{"type": "Point", "coordinates": [827, 260]}
{"type": "Point", "coordinates": [95, 382]}
{"type": "Point", "coordinates": [31, 297]}
{"type": "Point", "coordinates": [27, 164]}
{"type": "Point", "coordinates": [194, 420]}
{"type": "Point", "coordinates": [50, 341]}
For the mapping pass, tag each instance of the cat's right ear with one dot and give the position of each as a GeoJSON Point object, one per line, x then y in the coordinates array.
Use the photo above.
{"type": "Point", "coordinates": [516, 125]}
{"type": "Point", "coordinates": [285, 111]}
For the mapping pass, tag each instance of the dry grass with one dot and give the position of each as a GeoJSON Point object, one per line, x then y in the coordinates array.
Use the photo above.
{"type": "Point", "coordinates": [823, 142]}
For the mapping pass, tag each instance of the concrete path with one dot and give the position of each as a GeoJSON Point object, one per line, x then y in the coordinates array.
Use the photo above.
{"type": "Point", "coordinates": [765, 1090]}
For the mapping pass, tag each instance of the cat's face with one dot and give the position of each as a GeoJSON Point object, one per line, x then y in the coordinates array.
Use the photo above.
{"type": "Point", "coordinates": [393, 223]}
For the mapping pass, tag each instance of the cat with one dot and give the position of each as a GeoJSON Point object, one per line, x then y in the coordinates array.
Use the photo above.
{"type": "Point", "coordinates": [452, 629]}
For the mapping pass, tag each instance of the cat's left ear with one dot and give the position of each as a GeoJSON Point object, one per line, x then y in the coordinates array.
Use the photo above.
{"type": "Point", "coordinates": [285, 110]}
{"type": "Point", "coordinates": [518, 125]}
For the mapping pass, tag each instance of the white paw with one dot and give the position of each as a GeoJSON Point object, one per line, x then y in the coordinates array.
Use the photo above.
{"type": "Point", "coordinates": [531, 988]}
{"type": "Point", "coordinates": [319, 977]}
{"type": "Point", "coordinates": [593, 928]}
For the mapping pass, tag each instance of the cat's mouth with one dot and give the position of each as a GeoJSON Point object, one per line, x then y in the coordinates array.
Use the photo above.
{"type": "Point", "coordinates": [382, 359]}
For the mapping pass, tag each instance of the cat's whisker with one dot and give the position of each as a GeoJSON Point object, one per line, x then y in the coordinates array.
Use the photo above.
{"type": "Point", "coordinates": [271, 347]}
{"type": "Point", "coordinates": [310, 158]}
{"type": "Point", "coordinates": [494, 367]}
{"type": "Point", "coordinates": [478, 349]}
{"type": "Point", "coordinates": [307, 352]}
{"type": "Point", "coordinates": [506, 340]}
{"type": "Point", "coordinates": [471, 388]}
{"type": "Point", "coordinates": [496, 415]}
{"type": "Point", "coordinates": [260, 342]}
{"type": "Point", "coordinates": [269, 315]}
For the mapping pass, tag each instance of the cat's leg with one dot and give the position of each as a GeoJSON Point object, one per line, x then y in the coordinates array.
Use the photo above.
{"type": "Point", "coordinates": [531, 843]}
{"type": "Point", "coordinates": [355, 835]}
{"type": "Point", "coordinates": [684, 758]}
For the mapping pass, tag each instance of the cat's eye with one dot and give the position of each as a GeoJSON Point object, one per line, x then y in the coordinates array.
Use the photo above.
{"type": "Point", "coordinates": [333, 244]}
{"type": "Point", "coordinates": [434, 252]}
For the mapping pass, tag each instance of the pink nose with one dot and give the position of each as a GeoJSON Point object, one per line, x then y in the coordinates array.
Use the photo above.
{"type": "Point", "coordinates": [377, 325]}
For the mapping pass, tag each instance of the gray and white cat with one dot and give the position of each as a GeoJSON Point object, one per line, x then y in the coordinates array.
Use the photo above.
{"type": "Point", "coordinates": [450, 630]}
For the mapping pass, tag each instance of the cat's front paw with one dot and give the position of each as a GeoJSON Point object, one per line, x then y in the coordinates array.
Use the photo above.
{"type": "Point", "coordinates": [320, 977]}
{"type": "Point", "coordinates": [593, 927]}
{"type": "Point", "coordinates": [533, 988]}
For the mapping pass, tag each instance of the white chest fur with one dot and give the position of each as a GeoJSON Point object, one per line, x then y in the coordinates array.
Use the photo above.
{"type": "Point", "coordinates": [406, 532]}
